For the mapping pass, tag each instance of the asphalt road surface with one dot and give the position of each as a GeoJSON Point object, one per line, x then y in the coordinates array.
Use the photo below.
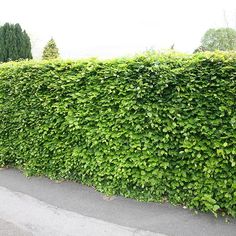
{"type": "Point", "coordinates": [41, 207]}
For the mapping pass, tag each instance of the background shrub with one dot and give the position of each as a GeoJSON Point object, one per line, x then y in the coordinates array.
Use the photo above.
{"type": "Point", "coordinates": [153, 127]}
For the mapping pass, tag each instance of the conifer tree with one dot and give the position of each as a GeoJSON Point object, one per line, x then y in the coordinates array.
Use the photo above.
{"type": "Point", "coordinates": [50, 50]}
{"type": "Point", "coordinates": [14, 43]}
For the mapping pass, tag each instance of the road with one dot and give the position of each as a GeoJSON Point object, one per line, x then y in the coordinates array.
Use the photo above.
{"type": "Point", "coordinates": [41, 207]}
{"type": "Point", "coordinates": [9, 229]}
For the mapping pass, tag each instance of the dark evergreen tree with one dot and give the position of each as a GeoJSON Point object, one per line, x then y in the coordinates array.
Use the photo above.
{"type": "Point", "coordinates": [14, 43]}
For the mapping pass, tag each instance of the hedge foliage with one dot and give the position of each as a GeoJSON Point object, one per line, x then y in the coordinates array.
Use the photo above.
{"type": "Point", "coordinates": [152, 127]}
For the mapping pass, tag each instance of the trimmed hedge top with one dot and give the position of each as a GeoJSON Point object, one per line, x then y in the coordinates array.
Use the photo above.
{"type": "Point", "coordinates": [153, 127]}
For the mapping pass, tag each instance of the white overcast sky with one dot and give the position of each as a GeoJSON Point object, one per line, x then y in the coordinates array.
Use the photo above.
{"type": "Point", "coordinates": [110, 28]}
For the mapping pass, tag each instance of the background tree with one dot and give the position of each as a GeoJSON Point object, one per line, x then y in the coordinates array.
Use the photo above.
{"type": "Point", "coordinates": [50, 50]}
{"type": "Point", "coordinates": [14, 43]}
{"type": "Point", "coordinates": [223, 39]}
{"type": "Point", "coordinates": [200, 49]}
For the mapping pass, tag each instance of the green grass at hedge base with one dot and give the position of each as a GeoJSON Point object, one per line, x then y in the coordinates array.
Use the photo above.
{"type": "Point", "coordinates": [152, 127]}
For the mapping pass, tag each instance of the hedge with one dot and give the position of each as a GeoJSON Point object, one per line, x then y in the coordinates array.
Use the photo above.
{"type": "Point", "coordinates": [151, 127]}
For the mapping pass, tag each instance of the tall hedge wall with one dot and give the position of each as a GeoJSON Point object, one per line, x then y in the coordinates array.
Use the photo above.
{"type": "Point", "coordinates": [151, 127]}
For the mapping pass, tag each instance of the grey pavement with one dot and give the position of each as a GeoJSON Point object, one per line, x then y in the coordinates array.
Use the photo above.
{"type": "Point", "coordinates": [42, 219]}
{"type": "Point", "coordinates": [118, 214]}
{"type": "Point", "coordinates": [9, 229]}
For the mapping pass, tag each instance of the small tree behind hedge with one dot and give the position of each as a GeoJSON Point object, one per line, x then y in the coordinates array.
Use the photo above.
{"type": "Point", "coordinates": [223, 39]}
{"type": "Point", "coordinates": [50, 50]}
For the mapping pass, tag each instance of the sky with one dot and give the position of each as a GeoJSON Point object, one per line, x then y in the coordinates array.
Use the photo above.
{"type": "Point", "coordinates": [114, 28]}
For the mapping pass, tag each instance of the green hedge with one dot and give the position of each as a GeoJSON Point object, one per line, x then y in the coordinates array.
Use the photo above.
{"type": "Point", "coordinates": [152, 127]}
